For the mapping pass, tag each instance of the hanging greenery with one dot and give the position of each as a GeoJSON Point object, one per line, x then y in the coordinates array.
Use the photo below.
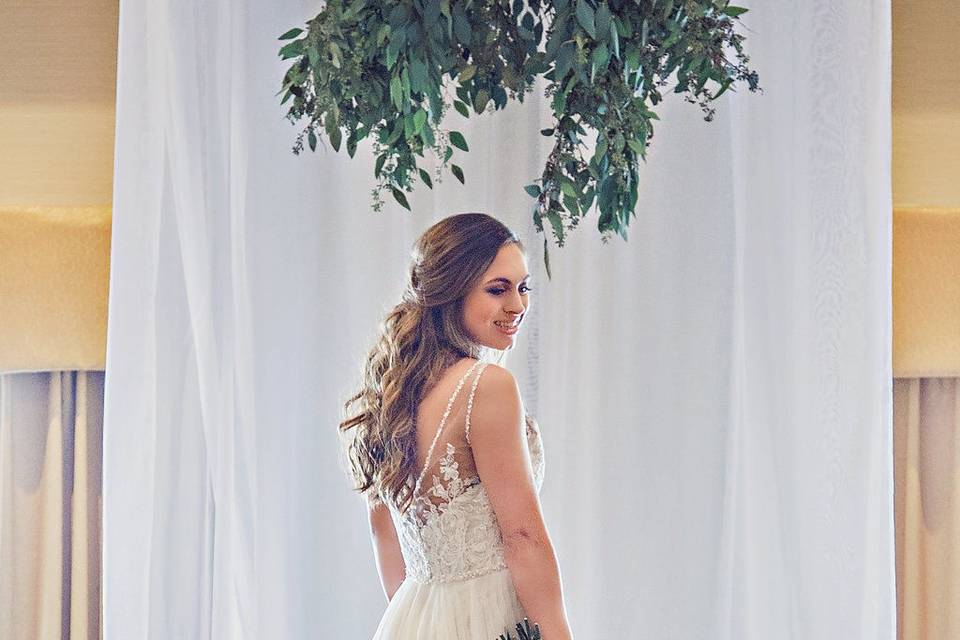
{"type": "Point", "coordinates": [384, 70]}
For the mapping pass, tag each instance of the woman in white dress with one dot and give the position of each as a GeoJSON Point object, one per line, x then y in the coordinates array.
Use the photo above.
{"type": "Point", "coordinates": [439, 443]}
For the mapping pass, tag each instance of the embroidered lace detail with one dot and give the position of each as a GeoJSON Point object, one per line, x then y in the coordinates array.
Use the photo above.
{"type": "Point", "coordinates": [450, 531]}
{"type": "Point", "coordinates": [446, 414]}
{"type": "Point", "coordinates": [535, 445]}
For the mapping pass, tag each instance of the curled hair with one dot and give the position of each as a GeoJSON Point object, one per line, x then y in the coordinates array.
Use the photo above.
{"type": "Point", "coordinates": [418, 339]}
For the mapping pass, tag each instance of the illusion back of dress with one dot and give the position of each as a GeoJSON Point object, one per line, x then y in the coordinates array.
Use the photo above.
{"type": "Point", "coordinates": [449, 533]}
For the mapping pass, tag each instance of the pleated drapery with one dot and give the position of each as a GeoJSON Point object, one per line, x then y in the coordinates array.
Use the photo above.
{"type": "Point", "coordinates": [50, 504]}
{"type": "Point", "coordinates": [927, 428]}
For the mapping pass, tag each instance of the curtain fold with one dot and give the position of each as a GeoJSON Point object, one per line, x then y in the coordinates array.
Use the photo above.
{"type": "Point", "coordinates": [927, 424]}
{"type": "Point", "coordinates": [714, 395]}
{"type": "Point", "coordinates": [50, 504]}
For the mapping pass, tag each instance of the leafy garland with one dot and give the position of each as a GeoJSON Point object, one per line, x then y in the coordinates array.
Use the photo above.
{"type": "Point", "coordinates": [385, 68]}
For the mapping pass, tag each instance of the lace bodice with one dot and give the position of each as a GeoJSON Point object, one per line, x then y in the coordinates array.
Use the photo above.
{"type": "Point", "coordinates": [450, 531]}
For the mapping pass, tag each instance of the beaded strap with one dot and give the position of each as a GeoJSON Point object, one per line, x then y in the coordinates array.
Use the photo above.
{"type": "Point", "coordinates": [473, 389]}
{"type": "Point", "coordinates": [426, 464]}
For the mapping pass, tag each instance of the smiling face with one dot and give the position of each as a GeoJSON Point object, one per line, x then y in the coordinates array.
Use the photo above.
{"type": "Point", "coordinates": [493, 308]}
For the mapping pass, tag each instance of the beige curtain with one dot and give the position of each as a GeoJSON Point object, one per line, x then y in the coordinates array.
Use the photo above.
{"type": "Point", "coordinates": [927, 453]}
{"type": "Point", "coordinates": [50, 504]}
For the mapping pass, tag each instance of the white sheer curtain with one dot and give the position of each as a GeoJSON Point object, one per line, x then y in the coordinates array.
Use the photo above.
{"type": "Point", "coordinates": [714, 395]}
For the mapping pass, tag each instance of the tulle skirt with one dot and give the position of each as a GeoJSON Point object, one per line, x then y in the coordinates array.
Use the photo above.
{"type": "Point", "coordinates": [476, 609]}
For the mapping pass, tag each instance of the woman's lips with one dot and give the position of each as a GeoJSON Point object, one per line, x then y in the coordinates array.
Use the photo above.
{"type": "Point", "coordinates": [512, 329]}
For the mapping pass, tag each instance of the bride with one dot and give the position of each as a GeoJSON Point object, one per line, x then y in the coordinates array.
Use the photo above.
{"type": "Point", "coordinates": [439, 443]}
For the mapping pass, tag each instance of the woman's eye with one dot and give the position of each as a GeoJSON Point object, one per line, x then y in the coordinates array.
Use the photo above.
{"type": "Point", "coordinates": [523, 289]}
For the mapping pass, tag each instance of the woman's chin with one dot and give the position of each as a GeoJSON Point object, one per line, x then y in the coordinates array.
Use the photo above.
{"type": "Point", "coordinates": [500, 342]}
{"type": "Point", "coordinates": [504, 342]}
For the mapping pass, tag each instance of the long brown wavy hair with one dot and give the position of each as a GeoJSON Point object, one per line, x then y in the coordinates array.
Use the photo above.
{"type": "Point", "coordinates": [418, 339]}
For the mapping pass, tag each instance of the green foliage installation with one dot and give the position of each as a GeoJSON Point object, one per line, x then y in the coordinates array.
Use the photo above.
{"type": "Point", "coordinates": [386, 70]}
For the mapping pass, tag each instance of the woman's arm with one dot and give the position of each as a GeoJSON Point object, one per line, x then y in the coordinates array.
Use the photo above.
{"type": "Point", "coordinates": [500, 451]}
{"type": "Point", "coordinates": [386, 548]}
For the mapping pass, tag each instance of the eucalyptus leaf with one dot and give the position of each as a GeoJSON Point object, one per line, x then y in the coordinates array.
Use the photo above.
{"type": "Point", "coordinates": [481, 100]}
{"type": "Point", "coordinates": [600, 57]}
{"type": "Point", "coordinates": [733, 12]}
{"type": "Point", "coordinates": [571, 204]}
{"type": "Point", "coordinates": [335, 54]}
{"type": "Point", "coordinates": [546, 264]}
{"type": "Point", "coordinates": [392, 53]}
{"type": "Point", "coordinates": [427, 135]}
{"type": "Point", "coordinates": [586, 17]}
{"type": "Point", "coordinates": [467, 73]}
{"type": "Point", "coordinates": [418, 75]}
{"type": "Point", "coordinates": [291, 50]}
{"type": "Point", "coordinates": [498, 95]}
{"type": "Point", "coordinates": [293, 33]}
{"type": "Point", "coordinates": [402, 199]}
{"type": "Point", "coordinates": [461, 25]}
{"type": "Point", "coordinates": [457, 140]}
{"type": "Point", "coordinates": [557, 223]}
{"type": "Point", "coordinates": [602, 21]}
{"type": "Point", "coordinates": [396, 92]}
{"type": "Point", "coordinates": [426, 178]}
{"type": "Point", "coordinates": [396, 132]}
{"type": "Point", "coordinates": [564, 60]}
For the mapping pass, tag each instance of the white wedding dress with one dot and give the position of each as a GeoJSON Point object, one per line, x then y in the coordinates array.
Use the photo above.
{"type": "Point", "coordinates": [457, 584]}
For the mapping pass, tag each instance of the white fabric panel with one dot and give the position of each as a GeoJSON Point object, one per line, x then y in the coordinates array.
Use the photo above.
{"type": "Point", "coordinates": [714, 395]}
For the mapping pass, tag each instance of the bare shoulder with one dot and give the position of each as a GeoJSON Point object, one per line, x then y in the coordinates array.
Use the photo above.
{"type": "Point", "coordinates": [497, 406]}
{"type": "Point", "coordinates": [498, 383]}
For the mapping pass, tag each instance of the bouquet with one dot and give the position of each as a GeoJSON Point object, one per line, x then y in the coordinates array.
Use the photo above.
{"type": "Point", "coordinates": [524, 632]}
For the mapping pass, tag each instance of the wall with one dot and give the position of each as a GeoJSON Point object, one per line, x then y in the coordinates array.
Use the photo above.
{"type": "Point", "coordinates": [58, 63]}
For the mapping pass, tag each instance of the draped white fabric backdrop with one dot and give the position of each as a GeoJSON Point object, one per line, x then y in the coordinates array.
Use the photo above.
{"type": "Point", "coordinates": [714, 395]}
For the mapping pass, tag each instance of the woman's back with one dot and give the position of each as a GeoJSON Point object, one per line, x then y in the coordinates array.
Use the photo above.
{"type": "Point", "coordinates": [434, 404]}
{"type": "Point", "coordinates": [457, 583]}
